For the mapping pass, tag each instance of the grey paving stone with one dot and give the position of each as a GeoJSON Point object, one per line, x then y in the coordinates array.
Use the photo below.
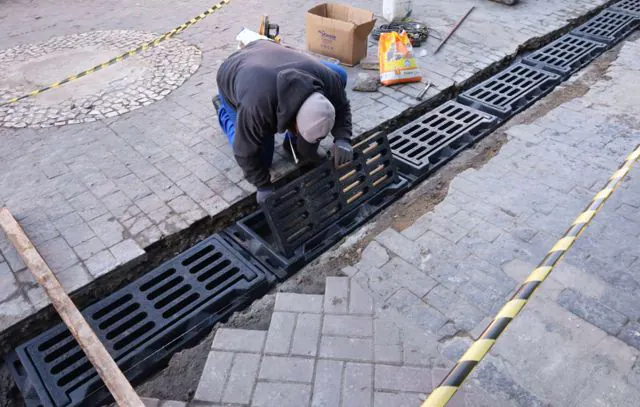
{"type": "Point", "coordinates": [290, 302]}
{"type": "Point", "coordinates": [390, 354]}
{"type": "Point", "coordinates": [630, 334]}
{"type": "Point", "coordinates": [241, 378]}
{"type": "Point", "coordinates": [280, 333]}
{"type": "Point", "coordinates": [386, 332]}
{"type": "Point", "coordinates": [57, 254]}
{"type": "Point", "coordinates": [394, 399]}
{"type": "Point", "coordinates": [306, 335]}
{"type": "Point", "coordinates": [336, 296]}
{"type": "Point", "coordinates": [8, 283]}
{"type": "Point", "coordinates": [107, 229]}
{"type": "Point", "coordinates": [87, 249]}
{"type": "Point", "coordinates": [239, 340]}
{"type": "Point", "coordinates": [348, 325]}
{"type": "Point", "coordinates": [402, 378]}
{"type": "Point", "coordinates": [149, 402]}
{"type": "Point", "coordinates": [358, 385]}
{"type": "Point", "coordinates": [374, 255]}
{"type": "Point", "coordinates": [592, 311]}
{"type": "Point", "coordinates": [465, 315]}
{"type": "Point", "coordinates": [281, 395]}
{"type": "Point", "coordinates": [327, 381]}
{"type": "Point", "coordinates": [172, 403]}
{"type": "Point", "coordinates": [74, 277]}
{"type": "Point", "coordinates": [286, 369]}
{"type": "Point", "coordinates": [360, 301]}
{"type": "Point", "coordinates": [400, 245]}
{"type": "Point", "coordinates": [355, 349]}
{"type": "Point", "coordinates": [127, 251]}
{"type": "Point", "coordinates": [101, 263]}
{"type": "Point", "coordinates": [412, 307]}
{"type": "Point", "coordinates": [398, 273]}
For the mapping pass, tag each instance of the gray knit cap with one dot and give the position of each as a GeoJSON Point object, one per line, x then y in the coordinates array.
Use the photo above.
{"type": "Point", "coordinates": [315, 118]}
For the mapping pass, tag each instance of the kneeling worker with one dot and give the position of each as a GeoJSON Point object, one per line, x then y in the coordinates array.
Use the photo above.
{"type": "Point", "coordinates": [266, 89]}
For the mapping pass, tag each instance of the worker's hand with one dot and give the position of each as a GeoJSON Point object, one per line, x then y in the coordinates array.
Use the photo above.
{"type": "Point", "coordinates": [342, 152]}
{"type": "Point", "coordinates": [263, 193]}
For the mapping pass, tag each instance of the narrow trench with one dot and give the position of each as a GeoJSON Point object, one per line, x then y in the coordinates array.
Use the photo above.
{"type": "Point", "coordinates": [179, 379]}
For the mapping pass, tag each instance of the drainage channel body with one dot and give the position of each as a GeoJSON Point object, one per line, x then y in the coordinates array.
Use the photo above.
{"type": "Point", "coordinates": [146, 322]}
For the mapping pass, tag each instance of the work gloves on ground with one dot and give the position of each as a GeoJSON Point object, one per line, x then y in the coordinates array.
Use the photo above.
{"type": "Point", "coordinates": [263, 193]}
{"type": "Point", "coordinates": [342, 152]}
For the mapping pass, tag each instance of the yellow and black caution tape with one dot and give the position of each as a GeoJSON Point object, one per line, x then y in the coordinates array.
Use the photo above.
{"type": "Point", "coordinates": [479, 349]}
{"type": "Point", "coordinates": [124, 55]}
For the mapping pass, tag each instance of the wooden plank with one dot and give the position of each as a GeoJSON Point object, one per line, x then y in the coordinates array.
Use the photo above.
{"type": "Point", "coordinates": [116, 382]}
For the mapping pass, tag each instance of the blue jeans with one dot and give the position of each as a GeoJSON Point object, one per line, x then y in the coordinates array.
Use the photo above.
{"type": "Point", "coordinates": [227, 119]}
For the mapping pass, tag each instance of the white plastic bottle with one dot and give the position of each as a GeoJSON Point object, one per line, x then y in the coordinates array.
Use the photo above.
{"type": "Point", "coordinates": [394, 10]}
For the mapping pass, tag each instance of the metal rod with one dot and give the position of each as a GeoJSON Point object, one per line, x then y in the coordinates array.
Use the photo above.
{"type": "Point", "coordinates": [453, 30]}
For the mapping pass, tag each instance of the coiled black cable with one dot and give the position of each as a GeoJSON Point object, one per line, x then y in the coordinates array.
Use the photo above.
{"type": "Point", "coordinates": [417, 32]}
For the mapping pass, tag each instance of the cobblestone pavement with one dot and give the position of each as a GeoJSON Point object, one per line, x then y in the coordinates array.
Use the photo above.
{"type": "Point", "coordinates": [387, 333]}
{"type": "Point", "coordinates": [93, 196]}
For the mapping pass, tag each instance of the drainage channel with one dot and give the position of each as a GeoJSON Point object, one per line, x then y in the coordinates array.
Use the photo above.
{"type": "Point", "coordinates": [173, 306]}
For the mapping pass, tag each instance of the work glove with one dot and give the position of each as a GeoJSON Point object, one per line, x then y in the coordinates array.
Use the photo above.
{"type": "Point", "coordinates": [263, 193]}
{"type": "Point", "coordinates": [342, 152]}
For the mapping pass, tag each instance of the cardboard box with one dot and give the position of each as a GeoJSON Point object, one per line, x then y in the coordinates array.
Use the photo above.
{"type": "Point", "coordinates": [339, 31]}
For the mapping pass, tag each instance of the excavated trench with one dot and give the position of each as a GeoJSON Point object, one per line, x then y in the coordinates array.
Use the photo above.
{"type": "Point", "coordinates": [178, 380]}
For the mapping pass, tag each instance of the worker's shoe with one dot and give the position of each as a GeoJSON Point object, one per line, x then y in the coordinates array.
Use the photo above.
{"type": "Point", "coordinates": [217, 103]}
{"type": "Point", "coordinates": [507, 2]}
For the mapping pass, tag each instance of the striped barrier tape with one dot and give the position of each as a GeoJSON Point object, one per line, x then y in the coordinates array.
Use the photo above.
{"type": "Point", "coordinates": [124, 55]}
{"type": "Point", "coordinates": [479, 349]}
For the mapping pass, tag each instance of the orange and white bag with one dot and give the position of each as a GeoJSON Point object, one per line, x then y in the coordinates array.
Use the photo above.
{"type": "Point", "coordinates": [397, 64]}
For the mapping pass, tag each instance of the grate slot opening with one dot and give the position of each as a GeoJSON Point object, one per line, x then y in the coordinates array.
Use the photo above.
{"type": "Point", "coordinates": [119, 316]}
{"type": "Point", "coordinates": [169, 298]}
{"type": "Point", "coordinates": [156, 280]}
{"type": "Point", "coordinates": [165, 287]}
{"type": "Point", "coordinates": [110, 307]}
{"type": "Point", "coordinates": [205, 263]}
{"type": "Point", "coordinates": [197, 256]}
{"type": "Point", "coordinates": [180, 306]}
{"type": "Point", "coordinates": [134, 335]}
{"type": "Point", "coordinates": [139, 317]}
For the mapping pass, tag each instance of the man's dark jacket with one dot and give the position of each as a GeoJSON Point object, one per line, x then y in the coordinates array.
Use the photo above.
{"type": "Point", "coordinates": [266, 84]}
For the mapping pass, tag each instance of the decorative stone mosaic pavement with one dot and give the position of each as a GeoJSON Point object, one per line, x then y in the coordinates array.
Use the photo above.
{"type": "Point", "coordinates": [115, 90]}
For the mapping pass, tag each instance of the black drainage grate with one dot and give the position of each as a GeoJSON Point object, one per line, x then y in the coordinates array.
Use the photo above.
{"type": "Point", "coordinates": [609, 27]}
{"type": "Point", "coordinates": [511, 90]}
{"type": "Point", "coordinates": [566, 55]}
{"type": "Point", "coordinates": [428, 142]}
{"type": "Point", "coordinates": [304, 207]}
{"type": "Point", "coordinates": [141, 325]}
{"type": "Point", "coordinates": [365, 186]}
{"type": "Point", "coordinates": [628, 6]}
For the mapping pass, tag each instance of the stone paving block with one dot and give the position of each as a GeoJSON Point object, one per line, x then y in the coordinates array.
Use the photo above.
{"type": "Point", "coordinates": [306, 335]}
{"type": "Point", "coordinates": [630, 334]}
{"type": "Point", "coordinates": [286, 369]}
{"type": "Point", "coordinates": [337, 347]}
{"type": "Point", "coordinates": [412, 307]}
{"type": "Point", "coordinates": [101, 263]}
{"type": "Point", "coordinates": [195, 188]}
{"type": "Point", "coordinates": [465, 315]}
{"type": "Point", "coordinates": [8, 283]}
{"type": "Point", "coordinates": [281, 395]}
{"type": "Point", "coordinates": [360, 301]}
{"type": "Point", "coordinates": [241, 378]}
{"type": "Point", "coordinates": [74, 277]}
{"type": "Point", "coordinates": [239, 340]}
{"type": "Point", "coordinates": [400, 245]}
{"type": "Point", "coordinates": [358, 385]}
{"type": "Point", "coordinates": [57, 254]}
{"type": "Point", "coordinates": [394, 399]}
{"type": "Point", "coordinates": [127, 251]}
{"type": "Point", "coordinates": [386, 332]}
{"type": "Point", "coordinates": [391, 354]}
{"type": "Point", "coordinates": [172, 403]}
{"type": "Point", "coordinates": [336, 295]}
{"type": "Point", "coordinates": [89, 248]}
{"type": "Point", "coordinates": [592, 311]}
{"type": "Point", "coordinates": [291, 302]}
{"type": "Point", "coordinates": [348, 325]}
{"type": "Point", "coordinates": [149, 402]}
{"type": "Point", "coordinates": [374, 255]}
{"type": "Point", "coordinates": [398, 273]}
{"type": "Point", "coordinates": [108, 230]}
{"type": "Point", "coordinates": [214, 376]}
{"type": "Point", "coordinates": [328, 380]}
{"type": "Point", "coordinates": [214, 205]}
{"type": "Point", "coordinates": [403, 378]}
{"type": "Point", "coordinates": [621, 301]}
{"type": "Point", "coordinates": [280, 333]}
